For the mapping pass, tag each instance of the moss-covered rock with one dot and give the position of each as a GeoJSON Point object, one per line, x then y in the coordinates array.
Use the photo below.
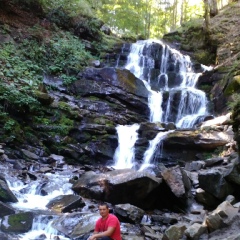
{"type": "Point", "coordinates": [233, 86]}
{"type": "Point", "coordinates": [17, 223]}
{"type": "Point", "coordinates": [43, 98]}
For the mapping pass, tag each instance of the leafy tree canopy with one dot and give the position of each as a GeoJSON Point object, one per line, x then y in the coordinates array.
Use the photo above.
{"type": "Point", "coordinates": [148, 18]}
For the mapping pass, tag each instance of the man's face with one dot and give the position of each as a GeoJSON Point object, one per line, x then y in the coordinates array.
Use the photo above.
{"type": "Point", "coordinates": [103, 210]}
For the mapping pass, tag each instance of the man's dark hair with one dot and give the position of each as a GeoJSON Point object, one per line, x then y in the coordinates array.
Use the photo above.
{"type": "Point", "coordinates": [103, 204]}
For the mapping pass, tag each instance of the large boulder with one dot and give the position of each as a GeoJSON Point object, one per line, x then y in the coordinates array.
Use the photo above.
{"type": "Point", "coordinates": [183, 146]}
{"type": "Point", "coordinates": [213, 182]}
{"type": "Point", "coordinates": [198, 139]}
{"type": "Point", "coordinates": [178, 181]}
{"type": "Point", "coordinates": [118, 186]}
{"type": "Point", "coordinates": [221, 217]}
{"type": "Point", "coordinates": [233, 174]}
{"type": "Point", "coordinates": [65, 203]}
{"type": "Point", "coordinates": [76, 225]}
{"type": "Point", "coordinates": [118, 86]}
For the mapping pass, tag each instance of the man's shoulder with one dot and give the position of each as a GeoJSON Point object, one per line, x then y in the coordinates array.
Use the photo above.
{"type": "Point", "coordinates": [112, 216]}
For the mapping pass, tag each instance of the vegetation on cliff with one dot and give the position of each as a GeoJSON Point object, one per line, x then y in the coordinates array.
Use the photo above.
{"type": "Point", "coordinates": [37, 41]}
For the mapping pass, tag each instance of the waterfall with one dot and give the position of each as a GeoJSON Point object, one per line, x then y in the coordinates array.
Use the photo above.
{"type": "Point", "coordinates": [124, 154]}
{"type": "Point", "coordinates": [170, 78]}
{"type": "Point", "coordinates": [153, 145]}
{"type": "Point", "coordinates": [138, 62]}
{"type": "Point", "coordinates": [166, 72]}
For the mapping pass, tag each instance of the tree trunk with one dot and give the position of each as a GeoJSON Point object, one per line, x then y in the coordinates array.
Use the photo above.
{"type": "Point", "coordinates": [213, 7]}
{"type": "Point", "coordinates": [206, 15]}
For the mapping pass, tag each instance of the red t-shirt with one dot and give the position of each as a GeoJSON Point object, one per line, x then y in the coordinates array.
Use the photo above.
{"type": "Point", "coordinates": [111, 221]}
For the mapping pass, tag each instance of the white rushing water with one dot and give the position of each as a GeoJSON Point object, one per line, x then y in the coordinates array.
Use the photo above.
{"type": "Point", "coordinates": [153, 145]}
{"type": "Point", "coordinates": [184, 105]}
{"type": "Point", "coordinates": [56, 185]}
{"type": "Point", "coordinates": [124, 154]}
{"type": "Point", "coordinates": [42, 226]}
{"type": "Point", "coordinates": [192, 101]}
{"type": "Point", "coordinates": [30, 198]}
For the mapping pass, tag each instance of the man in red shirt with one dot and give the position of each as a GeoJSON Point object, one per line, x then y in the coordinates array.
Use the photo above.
{"type": "Point", "coordinates": [107, 227]}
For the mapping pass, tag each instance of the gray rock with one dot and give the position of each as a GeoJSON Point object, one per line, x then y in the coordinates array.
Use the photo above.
{"type": "Point", "coordinates": [75, 225]}
{"type": "Point", "coordinates": [195, 231]}
{"type": "Point", "coordinates": [118, 186]}
{"type": "Point", "coordinates": [221, 216]}
{"type": "Point", "coordinates": [65, 203]}
{"type": "Point", "coordinates": [177, 180]}
{"type": "Point", "coordinates": [129, 213]}
{"type": "Point", "coordinates": [213, 182]}
{"type": "Point", "coordinates": [233, 175]}
{"type": "Point", "coordinates": [154, 236]}
{"type": "Point", "coordinates": [231, 199]}
{"type": "Point", "coordinates": [30, 155]}
{"type": "Point", "coordinates": [174, 232]}
{"type": "Point", "coordinates": [6, 209]}
{"type": "Point", "coordinates": [164, 218]}
{"type": "Point", "coordinates": [206, 198]}
{"type": "Point", "coordinates": [213, 161]}
{"type": "Point", "coordinates": [6, 195]}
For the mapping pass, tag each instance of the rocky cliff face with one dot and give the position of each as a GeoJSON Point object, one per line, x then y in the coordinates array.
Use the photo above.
{"type": "Point", "coordinates": [220, 49]}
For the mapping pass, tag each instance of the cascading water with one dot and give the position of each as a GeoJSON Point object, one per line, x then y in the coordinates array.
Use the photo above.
{"type": "Point", "coordinates": [167, 72]}
{"type": "Point", "coordinates": [124, 154]}
{"type": "Point", "coordinates": [171, 81]}
{"type": "Point", "coordinates": [153, 144]}
{"type": "Point", "coordinates": [29, 198]}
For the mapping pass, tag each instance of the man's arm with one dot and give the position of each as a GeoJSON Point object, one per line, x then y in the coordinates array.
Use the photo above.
{"type": "Point", "coordinates": [106, 233]}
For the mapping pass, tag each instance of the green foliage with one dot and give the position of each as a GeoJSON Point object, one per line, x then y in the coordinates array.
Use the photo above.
{"type": "Point", "coordinates": [109, 43]}
{"type": "Point", "coordinates": [14, 67]}
{"type": "Point", "coordinates": [60, 125]}
{"type": "Point", "coordinates": [65, 56]}
{"type": "Point", "coordinates": [10, 128]}
{"type": "Point", "coordinates": [62, 55]}
{"type": "Point", "coordinates": [193, 24]}
{"type": "Point", "coordinates": [18, 99]}
{"type": "Point", "coordinates": [235, 104]}
{"type": "Point", "coordinates": [204, 57]}
{"type": "Point", "coordinates": [9, 125]}
{"type": "Point", "coordinates": [150, 18]}
{"type": "Point", "coordinates": [72, 7]}
{"type": "Point", "coordinates": [213, 154]}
